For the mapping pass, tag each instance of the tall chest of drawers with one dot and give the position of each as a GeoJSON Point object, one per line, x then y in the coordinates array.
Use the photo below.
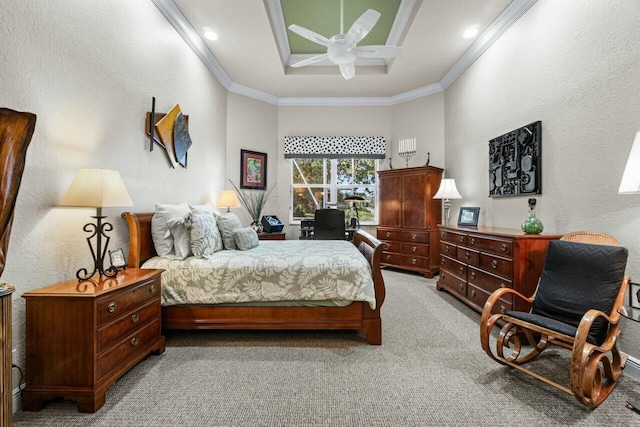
{"type": "Point", "coordinates": [409, 217]}
{"type": "Point", "coordinates": [83, 336]}
{"type": "Point", "coordinates": [476, 262]}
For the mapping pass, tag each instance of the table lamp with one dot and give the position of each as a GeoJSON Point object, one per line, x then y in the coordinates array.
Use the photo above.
{"type": "Point", "coordinates": [228, 199]}
{"type": "Point", "coordinates": [355, 199]}
{"type": "Point", "coordinates": [447, 191]}
{"type": "Point", "coordinates": [97, 188]}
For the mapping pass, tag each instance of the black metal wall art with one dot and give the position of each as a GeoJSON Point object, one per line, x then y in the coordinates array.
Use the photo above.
{"type": "Point", "coordinates": [515, 162]}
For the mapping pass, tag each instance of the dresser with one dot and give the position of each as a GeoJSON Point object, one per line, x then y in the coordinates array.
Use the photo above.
{"type": "Point", "coordinates": [83, 336]}
{"type": "Point", "coordinates": [476, 262]}
{"type": "Point", "coordinates": [408, 219]}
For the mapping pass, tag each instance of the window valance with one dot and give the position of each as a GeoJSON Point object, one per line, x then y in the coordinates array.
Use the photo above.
{"type": "Point", "coordinates": [334, 147]}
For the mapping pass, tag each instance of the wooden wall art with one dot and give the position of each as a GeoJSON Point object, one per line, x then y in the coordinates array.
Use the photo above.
{"type": "Point", "coordinates": [515, 162]}
{"type": "Point", "coordinates": [171, 132]}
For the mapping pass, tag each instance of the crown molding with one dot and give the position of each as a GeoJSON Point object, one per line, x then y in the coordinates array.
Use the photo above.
{"type": "Point", "coordinates": [508, 17]}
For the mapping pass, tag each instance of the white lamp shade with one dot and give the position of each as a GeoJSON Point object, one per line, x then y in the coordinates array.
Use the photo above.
{"type": "Point", "coordinates": [630, 183]}
{"type": "Point", "coordinates": [98, 188]}
{"type": "Point", "coordinates": [447, 190]}
{"type": "Point", "coordinates": [228, 199]}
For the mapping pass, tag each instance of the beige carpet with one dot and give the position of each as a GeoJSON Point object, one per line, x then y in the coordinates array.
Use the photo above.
{"type": "Point", "coordinates": [430, 370]}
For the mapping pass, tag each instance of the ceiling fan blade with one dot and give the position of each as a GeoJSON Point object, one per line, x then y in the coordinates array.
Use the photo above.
{"type": "Point", "coordinates": [310, 35]}
{"type": "Point", "coordinates": [376, 51]}
{"type": "Point", "coordinates": [310, 61]}
{"type": "Point", "coordinates": [348, 71]}
{"type": "Point", "coordinates": [361, 27]}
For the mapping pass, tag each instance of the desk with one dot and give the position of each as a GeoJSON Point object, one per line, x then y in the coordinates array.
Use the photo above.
{"type": "Point", "coordinates": [629, 340]}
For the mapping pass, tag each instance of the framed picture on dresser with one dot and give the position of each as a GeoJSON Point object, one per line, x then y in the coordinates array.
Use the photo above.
{"type": "Point", "coordinates": [468, 217]}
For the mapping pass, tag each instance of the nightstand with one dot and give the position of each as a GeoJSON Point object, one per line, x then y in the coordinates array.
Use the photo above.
{"type": "Point", "coordinates": [83, 336]}
{"type": "Point", "coordinates": [272, 236]}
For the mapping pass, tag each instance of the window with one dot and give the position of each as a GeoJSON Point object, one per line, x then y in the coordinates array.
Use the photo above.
{"type": "Point", "coordinates": [321, 183]}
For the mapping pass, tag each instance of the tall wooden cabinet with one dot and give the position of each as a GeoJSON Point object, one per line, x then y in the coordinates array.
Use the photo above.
{"type": "Point", "coordinates": [409, 218]}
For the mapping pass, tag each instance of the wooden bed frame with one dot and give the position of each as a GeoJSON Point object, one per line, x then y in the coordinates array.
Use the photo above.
{"type": "Point", "coordinates": [357, 316]}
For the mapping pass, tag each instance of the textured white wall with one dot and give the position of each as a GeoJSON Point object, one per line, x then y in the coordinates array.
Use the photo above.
{"type": "Point", "coordinates": [423, 119]}
{"type": "Point", "coordinates": [253, 125]}
{"type": "Point", "coordinates": [575, 65]}
{"type": "Point", "coordinates": [325, 121]}
{"type": "Point", "coordinates": [88, 69]}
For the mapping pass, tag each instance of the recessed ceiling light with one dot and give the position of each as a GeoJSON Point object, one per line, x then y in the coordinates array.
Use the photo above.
{"type": "Point", "coordinates": [210, 34]}
{"type": "Point", "coordinates": [471, 31]}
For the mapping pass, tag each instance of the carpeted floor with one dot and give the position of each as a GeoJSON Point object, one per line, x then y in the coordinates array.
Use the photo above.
{"type": "Point", "coordinates": [430, 370]}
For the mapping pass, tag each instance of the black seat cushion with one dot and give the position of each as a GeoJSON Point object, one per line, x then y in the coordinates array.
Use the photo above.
{"type": "Point", "coordinates": [549, 323]}
{"type": "Point", "coordinates": [329, 224]}
{"type": "Point", "coordinates": [578, 277]}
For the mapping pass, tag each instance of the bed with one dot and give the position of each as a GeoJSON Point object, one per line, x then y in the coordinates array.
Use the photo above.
{"type": "Point", "coordinates": [358, 315]}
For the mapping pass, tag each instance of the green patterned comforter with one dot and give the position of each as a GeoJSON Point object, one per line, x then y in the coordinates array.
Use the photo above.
{"type": "Point", "coordinates": [289, 270]}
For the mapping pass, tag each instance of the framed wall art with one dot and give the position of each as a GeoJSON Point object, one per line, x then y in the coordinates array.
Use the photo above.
{"type": "Point", "coordinates": [468, 217]}
{"type": "Point", "coordinates": [515, 162]}
{"type": "Point", "coordinates": [253, 170]}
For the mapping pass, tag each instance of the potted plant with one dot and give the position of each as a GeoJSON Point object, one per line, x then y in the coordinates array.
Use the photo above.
{"type": "Point", "coordinates": [253, 201]}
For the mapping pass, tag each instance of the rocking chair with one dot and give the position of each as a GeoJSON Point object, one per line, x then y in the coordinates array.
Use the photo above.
{"type": "Point", "coordinates": [574, 307]}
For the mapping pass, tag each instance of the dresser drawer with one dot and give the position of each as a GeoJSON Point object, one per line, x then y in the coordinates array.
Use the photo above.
{"type": "Point", "coordinates": [417, 249]}
{"type": "Point", "coordinates": [497, 265]}
{"type": "Point", "coordinates": [453, 283]}
{"type": "Point", "coordinates": [111, 333]}
{"type": "Point", "coordinates": [415, 236]}
{"type": "Point", "coordinates": [487, 281]}
{"type": "Point", "coordinates": [112, 307]}
{"type": "Point", "coordinates": [453, 266]}
{"type": "Point", "coordinates": [468, 256]}
{"type": "Point", "coordinates": [134, 343]}
{"type": "Point", "coordinates": [452, 237]}
{"type": "Point", "coordinates": [389, 234]}
{"type": "Point", "coordinates": [478, 297]}
{"type": "Point", "coordinates": [448, 249]}
{"type": "Point", "coordinates": [395, 259]}
{"type": "Point", "coordinates": [495, 246]}
{"type": "Point", "coordinates": [415, 261]}
{"type": "Point", "coordinates": [392, 247]}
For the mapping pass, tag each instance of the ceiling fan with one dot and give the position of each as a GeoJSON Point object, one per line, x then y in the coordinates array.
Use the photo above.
{"type": "Point", "coordinates": [341, 48]}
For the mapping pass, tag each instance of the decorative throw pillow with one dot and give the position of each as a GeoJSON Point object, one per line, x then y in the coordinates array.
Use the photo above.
{"type": "Point", "coordinates": [162, 238]}
{"type": "Point", "coordinates": [203, 234]}
{"type": "Point", "coordinates": [202, 209]}
{"type": "Point", "coordinates": [246, 238]}
{"type": "Point", "coordinates": [181, 241]}
{"type": "Point", "coordinates": [227, 222]}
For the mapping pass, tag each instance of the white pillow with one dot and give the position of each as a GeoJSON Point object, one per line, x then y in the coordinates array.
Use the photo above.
{"type": "Point", "coordinates": [162, 238]}
{"type": "Point", "coordinates": [204, 236]}
{"type": "Point", "coordinates": [181, 242]}
{"type": "Point", "coordinates": [202, 209]}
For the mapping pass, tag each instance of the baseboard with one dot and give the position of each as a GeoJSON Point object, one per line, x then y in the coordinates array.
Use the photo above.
{"type": "Point", "coordinates": [17, 398]}
{"type": "Point", "coordinates": [632, 368]}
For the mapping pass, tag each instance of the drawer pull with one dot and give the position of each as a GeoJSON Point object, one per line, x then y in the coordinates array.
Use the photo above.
{"type": "Point", "coordinates": [388, 257]}
{"type": "Point", "coordinates": [446, 249]}
{"type": "Point", "coordinates": [472, 241]}
{"type": "Point", "coordinates": [442, 261]}
{"type": "Point", "coordinates": [503, 247]}
{"type": "Point", "coordinates": [152, 289]}
{"type": "Point", "coordinates": [502, 285]}
{"type": "Point", "coordinates": [502, 309]}
{"type": "Point", "coordinates": [494, 264]}
{"type": "Point", "coordinates": [473, 274]}
{"type": "Point", "coordinates": [413, 261]}
{"type": "Point", "coordinates": [414, 249]}
{"type": "Point", "coordinates": [388, 234]}
{"type": "Point", "coordinates": [413, 237]}
{"type": "Point", "coordinates": [135, 318]}
{"type": "Point", "coordinates": [466, 255]}
{"type": "Point", "coordinates": [461, 269]}
{"type": "Point", "coordinates": [460, 286]}
{"type": "Point", "coordinates": [462, 238]}
{"type": "Point", "coordinates": [385, 247]}
{"type": "Point", "coordinates": [473, 293]}
{"type": "Point", "coordinates": [112, 307]}
{"type": "Point", "coordinates": [134, 341]}
{"type": "Point", "coordinates": [442, 234]}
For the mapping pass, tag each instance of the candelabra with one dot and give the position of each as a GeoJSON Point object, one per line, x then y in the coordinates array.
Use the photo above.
{"type": "Point", "coordinates": [407, 149]}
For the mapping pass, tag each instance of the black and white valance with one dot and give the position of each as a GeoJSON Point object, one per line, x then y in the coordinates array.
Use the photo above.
{"type": "Point", "coordinates": [334, 147]}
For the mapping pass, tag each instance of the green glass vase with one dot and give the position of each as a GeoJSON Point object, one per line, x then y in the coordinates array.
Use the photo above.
{"type": "Point", "coordinates": [532, 225]}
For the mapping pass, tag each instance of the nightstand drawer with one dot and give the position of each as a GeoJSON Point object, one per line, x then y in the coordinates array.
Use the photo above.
{"type": "Point", "coordinates": [112, 308]}
{"type": "Point", "coordinates": [110, 334]}
{"type": "Point", "coordinates": [141, 340]}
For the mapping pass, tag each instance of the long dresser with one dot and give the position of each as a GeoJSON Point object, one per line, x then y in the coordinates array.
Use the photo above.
{"type": "Point", "coordinates": [409, 217]}
{"type": "Point", "coordinates": [476, 262]}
